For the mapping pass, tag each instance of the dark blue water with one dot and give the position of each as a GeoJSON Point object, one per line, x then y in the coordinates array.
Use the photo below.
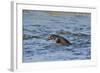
{"type": "Point", "coordinates": [37, 25]}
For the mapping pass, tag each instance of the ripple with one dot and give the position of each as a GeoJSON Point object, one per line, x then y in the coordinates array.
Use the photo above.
{"type": "Point", "coordinates": [37, 25]}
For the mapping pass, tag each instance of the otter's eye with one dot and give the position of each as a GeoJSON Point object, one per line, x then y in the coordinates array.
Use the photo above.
{"type": "Point", "coordinates": [51, 37]}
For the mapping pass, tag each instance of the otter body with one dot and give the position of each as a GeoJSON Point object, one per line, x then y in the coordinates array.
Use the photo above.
{"type": "Point", "coordinates": [59, 39]}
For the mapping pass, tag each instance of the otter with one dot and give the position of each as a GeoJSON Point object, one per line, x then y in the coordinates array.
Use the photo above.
{"type": "Point", "coordinates": [59, 39]}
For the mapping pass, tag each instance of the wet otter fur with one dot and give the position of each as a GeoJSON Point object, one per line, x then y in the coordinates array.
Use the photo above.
{"type": "Point", "coordinates": [59, 39]}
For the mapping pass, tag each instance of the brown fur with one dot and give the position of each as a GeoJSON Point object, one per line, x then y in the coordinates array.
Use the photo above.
{"type": "Point", "coordinates": [59, 39]}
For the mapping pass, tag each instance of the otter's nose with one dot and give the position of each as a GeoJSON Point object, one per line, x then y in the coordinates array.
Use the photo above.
{"type": "Point", "coordinates": [48, 39]}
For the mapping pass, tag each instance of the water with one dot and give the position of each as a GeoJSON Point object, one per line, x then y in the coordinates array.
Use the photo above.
{"type": "Point", "coordinates": [37, 25]}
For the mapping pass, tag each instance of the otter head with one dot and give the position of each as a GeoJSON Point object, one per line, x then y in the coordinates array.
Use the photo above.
{"type": "Point", "coordinates": [52, 37]}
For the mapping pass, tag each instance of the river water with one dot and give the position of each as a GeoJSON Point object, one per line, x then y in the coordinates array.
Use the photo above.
{"type": "Point", "coordinates": [75, 27]}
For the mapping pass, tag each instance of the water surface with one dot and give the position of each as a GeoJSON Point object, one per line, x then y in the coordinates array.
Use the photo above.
{"type": "Point", "coordinates": [37, 25]}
